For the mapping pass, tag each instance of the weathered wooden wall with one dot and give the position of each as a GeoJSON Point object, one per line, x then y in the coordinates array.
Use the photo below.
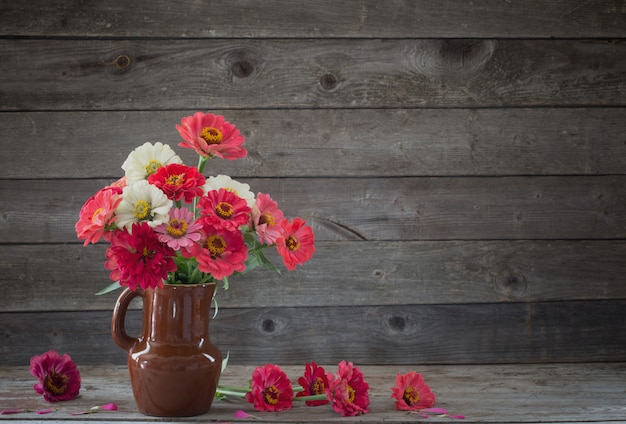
{"type": "Point", "coordinates": [463, 167]}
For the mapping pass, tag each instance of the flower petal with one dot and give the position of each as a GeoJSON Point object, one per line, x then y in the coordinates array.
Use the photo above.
{"type": "Point", "coordinates": [13, 411]}
{"type": "Point", "coordinates": [243, 414]}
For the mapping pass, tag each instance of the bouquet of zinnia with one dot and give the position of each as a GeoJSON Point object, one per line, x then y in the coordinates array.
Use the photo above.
{"type": "Point", "coordinates": [168, 224]}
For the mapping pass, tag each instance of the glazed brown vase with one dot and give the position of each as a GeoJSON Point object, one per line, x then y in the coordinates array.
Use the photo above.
{"type": "Point", "coordinates": [174, 368]}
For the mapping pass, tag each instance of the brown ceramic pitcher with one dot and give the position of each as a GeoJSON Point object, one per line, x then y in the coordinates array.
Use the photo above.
{"type": "Point", "coordinates": [174, 368]}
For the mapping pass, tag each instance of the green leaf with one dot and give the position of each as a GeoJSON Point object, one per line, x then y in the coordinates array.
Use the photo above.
{"type": "Point", "coordinates": [109, 288]}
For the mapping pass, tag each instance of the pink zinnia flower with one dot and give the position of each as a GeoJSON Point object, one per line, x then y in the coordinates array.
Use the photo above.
{"type": "Point", "coordinates": [97, 216]}
{"type": "Point", "coordinates": [210, 135]}
{"type": "Point", "coordinates": [270, 389]}
{"type": "Point", "coordinates": [219, 252]}
{"type": "Point", "coordinates": [314, 382]}
{"type": "Point", "coordinates": [266, 218]}
{"type": "Point", "coordinates": [223, 208]}
{"type": "Point", "coordinates": [139, 258]}
{"type": "Point", "coordinates": [59, 379]}
{"type": "Point", "coordinates": [182, 230]}
{"type": "Point", "coordinates": [296, 245]}
{"type": "Point", "coordinates": [412, 393]}
{"type": "Point", "coordinates": [177, 181]}
{"type": "Point", "coordinates": [348, 390]}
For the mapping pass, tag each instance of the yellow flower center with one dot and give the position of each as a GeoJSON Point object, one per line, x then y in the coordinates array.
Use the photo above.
{"type": "Point", "coordinates": [211, 135]}
{"type": "Point", "coordinates": [216, 245]}
{"type": "Point", "coordinates": [411, 396]}
{"type": "Point", "coordinates": [224, 210]}
{"type": "Point", "coordinates": [152, 166]}
{"type": "Point", "coordinates": [175, 180]}
{"type": "Point", "coordinates": [271, 395]}
{"type": "Point", "coordinates": [351, 393]}
{"type": "Point", "coordinates": [141, 209]}
{"type": "Point", "coordinates": [293, 244]}
{"type": "Point", "coordinates": [96, 213]}
{"type": "Point", "coordinates": [317, 387]}
{"type": "Point", "coordinates": [267, 219]}
{"type": "Point", "coordinates": [177, 228]}
{"type": "Point", "coordinates": [56, 383]}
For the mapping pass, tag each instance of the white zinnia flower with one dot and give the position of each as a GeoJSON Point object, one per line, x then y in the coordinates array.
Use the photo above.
{"type": "Point", "coordinates": [224, 181]}
{"type": "Point", "coordinates": [143, 202]}
{"type": "Point", "coordinates": [146, 159]}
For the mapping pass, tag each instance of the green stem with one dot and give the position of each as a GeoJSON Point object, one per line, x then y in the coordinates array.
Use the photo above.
{"type": "Point", "coordinates": [311, 397]}
{"type": "Point", "coordinates": [231, 393]}
{"type": "Point", "coordinates": [232, 389]}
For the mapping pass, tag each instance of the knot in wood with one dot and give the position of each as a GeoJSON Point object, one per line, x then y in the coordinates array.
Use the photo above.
{"type": "Point", "coordinates": [242, 69]}
{"type": "Point", "coordinates": [328, 81]}
{"type": "Point", "coordinates": [510, 285]}
{"type": "Point", "coordinates": [122, 61]}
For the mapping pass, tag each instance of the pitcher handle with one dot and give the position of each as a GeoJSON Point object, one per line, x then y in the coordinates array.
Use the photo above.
{"type": "Point", "coordinates": [118, 329]}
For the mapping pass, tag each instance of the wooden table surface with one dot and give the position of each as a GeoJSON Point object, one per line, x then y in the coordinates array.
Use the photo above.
{"type": "Point", "coordinates": [548, 393]}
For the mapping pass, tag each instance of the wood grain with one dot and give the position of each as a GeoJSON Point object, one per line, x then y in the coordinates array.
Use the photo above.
{"type": "Point", "coordinates": [331, 143]}
{"type": "Point", "coordinates": [65, 277]}
{"type": "Point", "coordinates": [395, 334]}
{"type": "Point", "coordinates": [481, 208]}
{"type": "Point", "coordinates": [403, 73]}
{"type": "Point", "coordinates": [553, 393]}
{"type": "Point", "coordinates": [318, 19]}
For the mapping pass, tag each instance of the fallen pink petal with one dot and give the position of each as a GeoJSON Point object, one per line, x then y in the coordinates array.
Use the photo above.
{"type": "Point", "coordinates": [109, 407]}
{"type": "Point", "coordinates": [434, 410]}
{"type": "Point", "coordinates": [12, 411]}
{"type": "Point", "coordinates": [45, 411]}
{"type": "Point", "coordinates": [243, 414]}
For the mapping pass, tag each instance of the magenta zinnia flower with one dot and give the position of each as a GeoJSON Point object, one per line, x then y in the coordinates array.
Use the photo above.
{"type": "Point", "coordinates": [177, 181]}
{"type": "Point", "coordinates": [210, 135]}
{"type": "Point", "coordinates": [270, 389]}
{"type": "Point", "coordinates": [97, 216]}
{"type": "Point", "coordinates": [223, 208]}
{"type": "Point", "coordinates": [314, 382]}
{"type": "Point", "coordinates": [181, 231]}
{"type": "Point", "coordinates": [266, 218]}
{"type": "Point", "coordinates": [296, 245]}
{"type": "Point", "coordinates": [219, 252]}
{"type": "Point", "coordinates": [348, 390]}
{"type": "Point", "coordinates": [59, 379]}
{"type": "Point", "coordinates": [412, 393]}
{"type": "Point", "coordinates": [139, 258]}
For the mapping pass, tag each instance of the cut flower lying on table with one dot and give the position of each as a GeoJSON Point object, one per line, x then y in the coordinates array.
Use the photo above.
{"type": "Point", "coordinates": [169, 224]}
{"type": "Point", "coordinates": [270, 390]}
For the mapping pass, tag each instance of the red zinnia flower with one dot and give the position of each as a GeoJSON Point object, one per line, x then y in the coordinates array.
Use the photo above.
{"type": "Point", "coordinates": [296, 244]}
{"type": "Point", "coordinates": [210, 135]}
{"type": "Point", "coordinates": [139, 258]}
{"type": "Point", "coordinates": [348, 391]}
{"type": "Point", "coordinates": [178, 181]}
{"type": "Point", "coordinates": [97, 216]}
{"type": "Point", "coordinates": [219, 252]}
{"type": "Point", "coordinates": [59, 379]}
{"type": "Point", "coordinates": [412, 393]}
{"type": "Point", "coordinates": [314, 382]}
{"type": "Point", "coordinates": [270, 389]}
{"type": "Point", "coordinates": [225, 209]}
{"type": "Point", "coordinates": [266, 218]}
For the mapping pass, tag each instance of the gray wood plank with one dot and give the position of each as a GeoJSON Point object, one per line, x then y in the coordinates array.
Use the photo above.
{"type": "Point", "coordinates": [331, 143]}
{"type": "Point", "coordinates": [202, 74]}
{"type": "Point", "coordinates": [591, 331]}
{"type": "Point", "coordinates": [65, 277]}
{"type": "Point", "coordinates": [555, 393]}
{"type": "Point", "coordinates": [289, 18]}
{"type": "Point", "coordinates": [480, 208]}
